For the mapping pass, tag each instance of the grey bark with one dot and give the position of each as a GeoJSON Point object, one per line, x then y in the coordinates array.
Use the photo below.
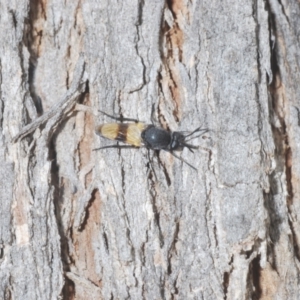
{"type": "Point", "coordinates": [82, 224]}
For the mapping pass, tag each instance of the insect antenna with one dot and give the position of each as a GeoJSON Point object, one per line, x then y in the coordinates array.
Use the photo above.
{"type": "Point", "coordinates": [196, 130]}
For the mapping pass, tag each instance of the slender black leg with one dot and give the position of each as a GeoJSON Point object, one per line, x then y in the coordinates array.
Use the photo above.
{"type": "Point", "coordinates": [151, 163]}
{"type": "Point", "coordinates": [183, 160]}
{"type": "Point", "coordinates": [117, 146]}
{"type": "Point", "coordinates": [121, 119]}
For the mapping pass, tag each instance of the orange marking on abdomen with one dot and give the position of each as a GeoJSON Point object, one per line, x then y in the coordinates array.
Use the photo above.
{"type": "Point", "coordinates": [129, 133]}
{"type": "Point", "coordinates": [109, 130]}
{"type": "Point", "coordinates": [134, 131]}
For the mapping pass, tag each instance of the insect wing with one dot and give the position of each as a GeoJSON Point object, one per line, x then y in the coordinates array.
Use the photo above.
{"type": "Point", "coordinates": [109, 130]}
{"type": "Point", "coordinates": [134, 132]}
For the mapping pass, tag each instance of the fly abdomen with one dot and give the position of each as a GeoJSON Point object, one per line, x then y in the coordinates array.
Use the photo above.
{"type": "Point", "coordinates": [113, 131]}
{"type": "Point", "coordinates": [128, 133]}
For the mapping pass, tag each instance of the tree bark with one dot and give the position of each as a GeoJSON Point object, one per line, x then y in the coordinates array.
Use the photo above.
{"type": "Point", "coordinates": [121, 224]}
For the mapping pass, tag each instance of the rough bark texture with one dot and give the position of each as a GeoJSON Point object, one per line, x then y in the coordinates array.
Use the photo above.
{"type": "Point", "coordinates": [83, 224]}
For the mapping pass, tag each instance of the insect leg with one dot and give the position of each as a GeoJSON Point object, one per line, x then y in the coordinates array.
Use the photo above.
{"type": "Point", "coordinates": [183, 160]}
{"type": "Point", "coordinates": [151, 163]}
{"type": "Point", "coordinates": [119, 118]}
{"type": "Point", "coordinates": [117, 146]}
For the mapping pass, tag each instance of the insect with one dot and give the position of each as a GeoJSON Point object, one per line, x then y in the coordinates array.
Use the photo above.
{"type": "Point", "coordinates": [138, 134]}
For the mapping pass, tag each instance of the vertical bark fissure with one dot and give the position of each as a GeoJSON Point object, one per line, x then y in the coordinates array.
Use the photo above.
{"type": "Point", "coordinates": [226, 277]}
{"type": "Point", "coordinates": [1, 101]}
{"type": "Point", "coordinates": [254, 288]}
{"type": "Point", "coordinates": [33, 36]}
{"type": "Point", "coordinates": [280, 141]}
{"type": "Point", "coordinates": [141, 4]}
{"type": "Point", "coordinates": [281, 127]}
{"type": "Point", "coordinates": [173, 40]}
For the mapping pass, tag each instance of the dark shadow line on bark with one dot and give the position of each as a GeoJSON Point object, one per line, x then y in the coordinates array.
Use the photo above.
{"type": "Point", "coordinates": [254, 278]}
